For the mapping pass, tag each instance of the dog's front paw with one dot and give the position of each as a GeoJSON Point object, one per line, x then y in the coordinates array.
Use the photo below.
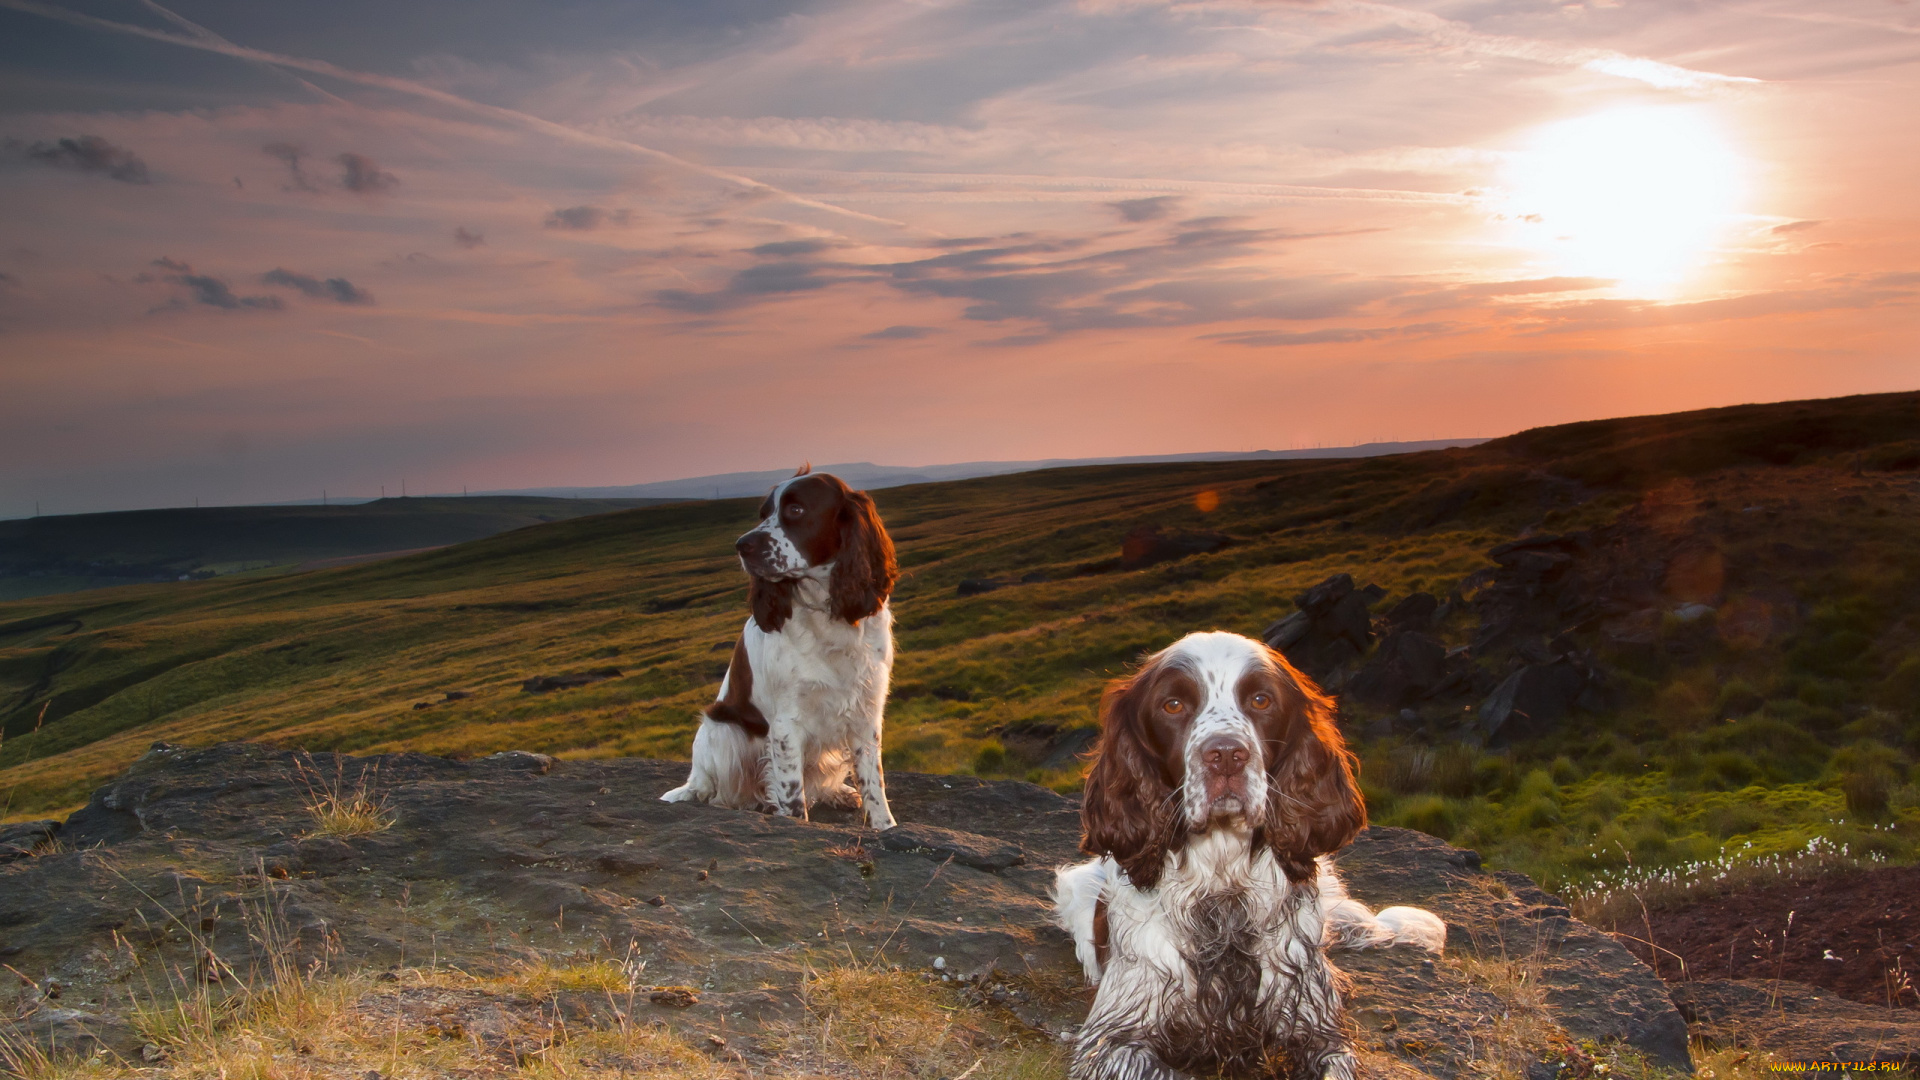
{"type": "Point", "coordinates": [683, 793]}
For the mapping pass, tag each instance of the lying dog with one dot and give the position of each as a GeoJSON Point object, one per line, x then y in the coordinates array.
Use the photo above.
{"type": "Point", "coordinates": [805, 692]}
{"type": "Point", "coordinates": [1221, 784]}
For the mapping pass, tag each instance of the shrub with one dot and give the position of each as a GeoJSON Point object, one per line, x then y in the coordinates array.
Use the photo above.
{"type": "Point", "coordinates": [990, 758]}
{"type": "Point", "coordinates": [1869, 791]}
{"type": "Point", "coordinates": [1733, 820]}
{"type": "Point", "coordinates": [1728, 770]}
{"type": "Point", "coordinates": [1430, 814]}
{"type": "Point", "coordinates": [1901, 690]}
{"type": "Point", "coordinates": [1738, 698]}
{"type": "Point", "coordinates": [1534, 812]}
{"type": "Point", "coordinates": [1454, 767]}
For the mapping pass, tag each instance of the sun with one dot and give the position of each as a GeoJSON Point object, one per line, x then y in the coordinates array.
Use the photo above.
{"type": "Point", "coordinates": [1639, 195]}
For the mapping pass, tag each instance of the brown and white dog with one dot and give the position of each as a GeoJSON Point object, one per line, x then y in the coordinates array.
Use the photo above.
{"type": "Point", "coordinates": [1220, 788]}
{"type": "Point", "coordinates": [803, 699]}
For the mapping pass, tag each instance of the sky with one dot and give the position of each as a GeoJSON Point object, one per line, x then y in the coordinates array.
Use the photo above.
{"type": "Point", "coordinates": [256, 250]}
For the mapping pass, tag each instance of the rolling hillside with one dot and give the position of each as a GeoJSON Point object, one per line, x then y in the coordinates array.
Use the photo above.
{"type": "Point", "coordinates": [43, 556]}
{"type": "Point", "coordinates": [1699, 726]}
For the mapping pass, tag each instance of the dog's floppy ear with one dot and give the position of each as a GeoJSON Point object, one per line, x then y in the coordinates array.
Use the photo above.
{"type": "Point", "coordinates": [1314, 806]}
{"type": "Point", "coordinates": [772, 602]}
{"type": "Point", "coordinates": [864, 570]}
{"type": "Point", "coordinates": [1129, 810]}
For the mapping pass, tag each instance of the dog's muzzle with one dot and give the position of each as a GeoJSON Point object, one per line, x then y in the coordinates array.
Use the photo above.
{"type": "Point", "coordinates": [761, 556]}
{"type": "Point", "coordinates": [1223, 771]}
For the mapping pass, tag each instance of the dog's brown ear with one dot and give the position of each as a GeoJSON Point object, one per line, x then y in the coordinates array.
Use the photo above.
{"type": "Point", "coordinates": [864, 571]}
{"type": "Point", "coordinates": [772, 602]}
{"type": "Point", "coordinates": [1129, 811]}
{"type": "Point", "coordinates": [1314, 805]}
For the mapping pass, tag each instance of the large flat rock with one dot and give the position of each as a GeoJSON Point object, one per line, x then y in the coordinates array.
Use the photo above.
{"type": "Point", "coordinates": [495, 860]}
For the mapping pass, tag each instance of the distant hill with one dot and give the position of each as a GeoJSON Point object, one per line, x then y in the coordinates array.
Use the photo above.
{"type": "Point", "coordinates": [68, 553]}
{"type": "Point", "coordinates": [865, 474]}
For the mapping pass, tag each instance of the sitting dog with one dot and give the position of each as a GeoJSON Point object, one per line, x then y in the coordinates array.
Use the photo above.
{"type": "Point", "coordinates": [802, 701]}
{"type": "Point", "coordinates": [1220, 786]}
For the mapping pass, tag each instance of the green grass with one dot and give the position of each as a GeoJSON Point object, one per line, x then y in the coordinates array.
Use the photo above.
{"type": "Point", "coordinates": [1719, 741]}
{"type": "Point", "coordinates": [42, 556]}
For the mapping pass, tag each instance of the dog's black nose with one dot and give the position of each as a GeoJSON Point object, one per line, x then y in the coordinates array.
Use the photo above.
{"type": "Point", "coordinates": [754, 545]}
{"type": "Point", "coordinates": [1224, 755]}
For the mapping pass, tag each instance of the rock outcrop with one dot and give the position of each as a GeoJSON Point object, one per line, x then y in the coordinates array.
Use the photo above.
{"type": "Point", "coordinates": [1798, 1022]}
{"type": "Point", "coordinates": [517, 854]}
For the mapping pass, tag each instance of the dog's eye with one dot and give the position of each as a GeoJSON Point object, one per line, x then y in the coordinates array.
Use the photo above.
{"type": "Point", "coordinates": [1173, 706]}
{"type": "Point", "coordinates": [794, 510]}
{"type": "Point", "coordinates": [1261, 700]}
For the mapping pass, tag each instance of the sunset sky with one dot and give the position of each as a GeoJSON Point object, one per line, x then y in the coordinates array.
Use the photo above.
{"type": "Point", "coordinates": [251, 250]}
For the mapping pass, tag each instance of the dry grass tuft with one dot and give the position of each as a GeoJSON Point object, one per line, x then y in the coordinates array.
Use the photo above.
{"type": "Point", "coordinates": [24, 1058]}
{"type": "Point", "coordinates": [884, 1023]}
{"type": "Point", "coordinates": [340, 808]}
{"type": "Point", "coordinates": [543, 977]}
{"type": "Point", "coordinates": [1514, 1039]}
{"type": "Point", "coordinates": [1731, 1063]}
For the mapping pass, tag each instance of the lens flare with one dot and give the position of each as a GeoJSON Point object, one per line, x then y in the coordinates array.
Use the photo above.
{"type": "Point", "coordinates": [1639, 195]}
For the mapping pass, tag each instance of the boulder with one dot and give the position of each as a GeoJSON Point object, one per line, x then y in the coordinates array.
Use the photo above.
{"type": "Point", "coordinates": [1532, 701]}
{"type": "Point", "coordinates": [1146, 545]}
{"type": "Point", "coordinates": [23, 838]}
{"type": "Point", "coordinates": [1330, 630]}
{"type": "Point", "coordinates": [1409, 667]}
{"type": "Point", "coordinates": [1417, 611]}
{"type": "Point", "coordinates": [546, 684]}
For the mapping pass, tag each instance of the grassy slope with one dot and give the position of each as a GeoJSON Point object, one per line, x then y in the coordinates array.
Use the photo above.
{"type": "Point", "coordinates": [47, 555]}
{"type": "Point", "coordinates": [336, 659]}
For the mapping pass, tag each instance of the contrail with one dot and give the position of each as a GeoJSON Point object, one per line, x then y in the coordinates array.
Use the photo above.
{"type": "Point", "coordinates": [209, 42]}
{"type": "Point", "coordinates": [1655, 73]}
{"type": "Point", "coordinates": [204, 34]}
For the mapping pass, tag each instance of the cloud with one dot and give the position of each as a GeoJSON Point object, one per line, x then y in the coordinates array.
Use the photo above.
{"type": "Point", "coordinates": [361, 173]}
{"type": "Point", "coordinates": [1210, 269]}
{"type": "Point", "coordinates": [1843, 293]}
{"type": "Point", "coordinates": [790, 248]}
{"type": "Point", "coordinates": [754, 283]}
{"type": "Point", "coordinates": [1797, 226]}
{"type": "Point", "coordinates": [89, 153]}
{"type": "Point", "coordinates": [290, 154]}
{"type": "Point", "coordinates": [1152, 208]}
{"type": "Point", "coordinates": [901, 333]}
{"type": "Point", "coordinates": [587, 218]}
{"type": "Point", "coordinates": [468, 239]}
{"type": "Point", "coordinates": [206, 289]}
{"type": "Point", "coordinates": [1454, 296]}
{"type": "Point", "coordinates": [339, 290]}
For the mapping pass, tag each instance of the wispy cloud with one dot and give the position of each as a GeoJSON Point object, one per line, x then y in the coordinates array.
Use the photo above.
{"type": "Point", "coordinates": [587, 218]}
{"type": "Point", "coordinates": [339, 290]}
{"type": "Point", "coordinates": [290, 155]}
{"type": "Point", "coordinates": [205, 289]}
{"type": "Point", "coordinates": [902, 333]}
{"type": "Point", "coordinates": [362, 174]}
{"type": "Point", "coordinates": [87, 153]}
